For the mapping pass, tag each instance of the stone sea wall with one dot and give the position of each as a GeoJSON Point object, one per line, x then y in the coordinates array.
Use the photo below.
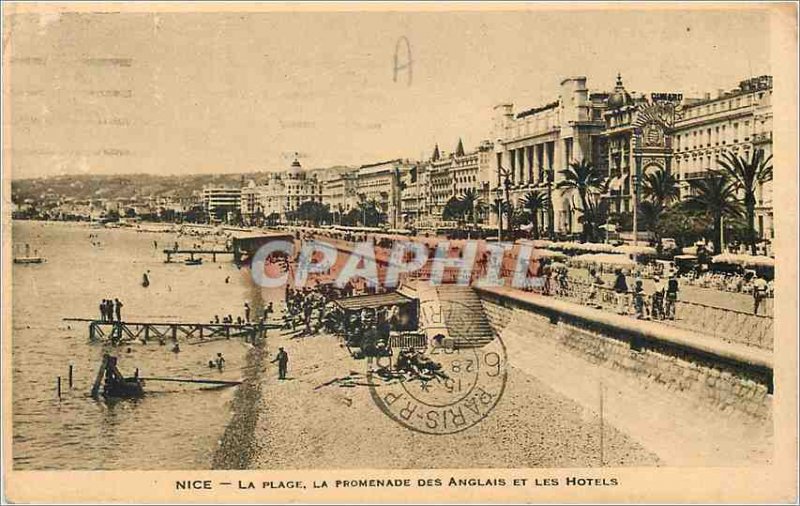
{"type": "Point", "coordinates": [726, 377]}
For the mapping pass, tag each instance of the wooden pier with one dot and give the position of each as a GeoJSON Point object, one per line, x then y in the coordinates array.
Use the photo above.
{"type": "Point", "coordinates": [193, 253]}
{"type": "Point", "coordinates": [120, 332]}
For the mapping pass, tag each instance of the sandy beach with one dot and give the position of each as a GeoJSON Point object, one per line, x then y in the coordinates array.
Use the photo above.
{"type": "Point", "coordinates": [300, 426]}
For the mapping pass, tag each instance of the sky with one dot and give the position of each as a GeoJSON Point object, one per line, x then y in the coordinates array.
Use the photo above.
{"type": "Point", "coordinates": [172, 93]}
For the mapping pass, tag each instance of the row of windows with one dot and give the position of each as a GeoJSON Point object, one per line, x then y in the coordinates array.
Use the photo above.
{"type": "Point", "coordinates": [718, 135]}
{"type": "Point", "coordinates": [724, 105]}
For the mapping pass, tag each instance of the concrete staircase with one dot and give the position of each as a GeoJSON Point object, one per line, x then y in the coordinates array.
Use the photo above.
{"type": "Point", "coordinates": [464, 317]}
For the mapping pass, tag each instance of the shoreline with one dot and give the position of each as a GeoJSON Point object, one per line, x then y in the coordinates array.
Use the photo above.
{"type": "Point", "coordinates": [236, 447]}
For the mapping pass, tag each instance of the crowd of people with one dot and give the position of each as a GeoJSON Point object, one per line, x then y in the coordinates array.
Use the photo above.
{"type": "Point", "coordinates": [728, 282]}
{"type": "Point", "coordinates": [111, 310]}
{"type": "Point", "coordinates": [659, 304]}
{"type": "Point", "coordinates": [308, 308]}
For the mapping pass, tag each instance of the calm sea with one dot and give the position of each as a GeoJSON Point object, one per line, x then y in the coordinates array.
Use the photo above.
{"type": "Point", "coordinates": [175, 426]}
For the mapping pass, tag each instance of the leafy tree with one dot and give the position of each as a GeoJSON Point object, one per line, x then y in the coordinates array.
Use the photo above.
{"type": "Point", "coordinates": [683, 224]}
{"type": "Point", "coordinates": [272, 219]}
{"type": "Point", "coordinates": [588, 182]}
{"type": "Point", "coordinates": [312, 212]}
{"type": "Point", "coordinates": [351, 218]}
{"type": "Point", "coordinates": [747, 175]}
{"type": "Point", "coordinates": [716, 197]}
{"type": "Point", "coordinates": [370, 212]}
{"type": "Point", "coordinates": [196, 214]}
{"type": "Point", "coordinates": [453, 210]}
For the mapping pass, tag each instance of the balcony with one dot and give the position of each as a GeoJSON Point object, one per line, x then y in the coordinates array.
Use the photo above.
{"type": "Point", "coordinates": [762, 137]}
{"type": "Point", "coordinates": [695, 175]}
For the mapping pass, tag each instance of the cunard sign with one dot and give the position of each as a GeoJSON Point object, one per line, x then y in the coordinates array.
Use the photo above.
{"type": "Point", "coordinates": [666, 97]}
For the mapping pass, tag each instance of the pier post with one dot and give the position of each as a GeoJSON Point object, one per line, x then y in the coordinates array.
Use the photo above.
{"type": "Point", "coordinates": [58, 387]}
{"type": "Point", "coordinates": [169, 257]}
{"type": "Point", "coordinates": [70, 375]}
{"type": "Point", "coordinates": [146, 332]}
{"type": "Point", "coordinates": [214, 257]}
{"type": "Point", "coordinates": [92, 336]}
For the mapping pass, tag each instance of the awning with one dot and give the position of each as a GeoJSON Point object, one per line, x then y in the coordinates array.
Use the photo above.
{"type": "Point", "coordinates": [373, 301]}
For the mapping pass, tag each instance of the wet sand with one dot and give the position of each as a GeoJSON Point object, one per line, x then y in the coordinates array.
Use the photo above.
{"type": "Point", "coordinates": [335, 427]}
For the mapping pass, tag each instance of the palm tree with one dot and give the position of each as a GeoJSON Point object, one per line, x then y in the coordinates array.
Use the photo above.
{"type": "Point", "coordinates": [534, 202]}
{"type": "Point", "coordinates": [748, 176]}
{"type": "Point", "coordinates": [377, 208]}
{"type": "Point", "coordinates": [650, 213]}
{"type": "Point", "coordinates": [716, 197]}
{"type": "Point", "coordinates": [660, 187]}
{"type": "Point", "coordinates": [588, 182]}
{"type": "Point", "coordinates": [469, 202]}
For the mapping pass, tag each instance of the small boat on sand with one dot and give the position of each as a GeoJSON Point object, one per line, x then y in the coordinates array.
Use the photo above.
{"type": "Point", "coordinates": [193, 261]}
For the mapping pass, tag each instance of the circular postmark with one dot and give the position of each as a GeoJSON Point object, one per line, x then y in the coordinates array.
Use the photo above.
{"type": "Point", "coordinates": [463, 377]}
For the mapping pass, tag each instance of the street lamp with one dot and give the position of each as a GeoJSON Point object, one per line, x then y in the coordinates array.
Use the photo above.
{"type": "Point", "coordinates": [505, 174]}
{"type": "Point", "coordinates": [498, 201]}
{"type": "Point", "coordinates": [550, 210]}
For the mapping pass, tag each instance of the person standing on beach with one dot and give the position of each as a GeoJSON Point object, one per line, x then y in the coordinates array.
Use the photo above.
{"type": "Point", "coordinates": [103, 310]}
{"type": "Point", "coordinates": [247, 312]}
{"type": "Point", "coordinates": [283, 362]}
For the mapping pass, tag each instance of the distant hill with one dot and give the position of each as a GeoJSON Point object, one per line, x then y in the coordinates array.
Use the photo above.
{"type": "Point", "coordinates": [85, 186]}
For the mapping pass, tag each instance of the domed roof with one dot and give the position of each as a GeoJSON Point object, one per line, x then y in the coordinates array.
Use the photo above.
{"type": "Point", "coordinates": [620, 97]}
{"type": "Point", "coordinates": [295, 168]}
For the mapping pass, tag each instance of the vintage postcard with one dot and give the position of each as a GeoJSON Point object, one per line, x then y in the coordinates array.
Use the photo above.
{"type": "Point", "coordinates": [399, 252]}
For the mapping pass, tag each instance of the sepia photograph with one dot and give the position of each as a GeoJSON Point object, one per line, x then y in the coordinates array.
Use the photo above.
{"type": "Point", "coordinates": [443, 252]}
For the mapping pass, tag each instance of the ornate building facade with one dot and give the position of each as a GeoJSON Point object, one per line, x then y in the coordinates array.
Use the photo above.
{"type": "Point", "coordinates": [279, 194]}
{"type": "Point", "coordinates": [627, 136]}
{"type": "Point", "coordinates": [738, 121]}
{"type": "Point", "coordinates": [532, 147]}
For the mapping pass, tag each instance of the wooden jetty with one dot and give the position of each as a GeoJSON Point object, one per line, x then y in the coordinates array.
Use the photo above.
{"type": "Point", "coordinates": [195, 254]}
{"type": "Point", "coordinates": [243, 246]}
{"type": "Point", "coordinates": [145, 331]}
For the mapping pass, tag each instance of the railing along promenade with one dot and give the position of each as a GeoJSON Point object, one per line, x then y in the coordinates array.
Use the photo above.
{"type": "Point", "coordinates": [726, 324]}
